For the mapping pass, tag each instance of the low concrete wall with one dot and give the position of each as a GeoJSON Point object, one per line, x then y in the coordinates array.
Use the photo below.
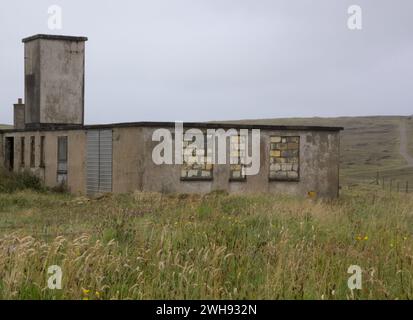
{"type": "Point", "coordinates": [134, 169]}
{"type": "Point", "coordinates": [319, 169]}
{"type": "Point", "coordinates": [48, 173]}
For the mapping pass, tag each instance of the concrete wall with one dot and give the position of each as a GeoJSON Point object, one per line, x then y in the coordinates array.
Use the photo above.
{"type": "Point", "coordinates": [19, 116]}
{"type": "Point", "coordinates": [76, 157]}
{"type": "Point", "coordinates": [54, 81]}
{"type": "Point", "coordinates": [133, 168]}
{"type": "Point", "coordinates": [319, 169]}
{"type": "Point", "coordinates": [128, 159]}
{"type": "Point", "coordinates": [32, 81]}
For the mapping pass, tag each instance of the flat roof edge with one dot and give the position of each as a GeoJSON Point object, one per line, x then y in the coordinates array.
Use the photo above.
{"type": "Point", "coordinates": [203, 125]}
{"type": "Point", "coordinates": [54, 37]}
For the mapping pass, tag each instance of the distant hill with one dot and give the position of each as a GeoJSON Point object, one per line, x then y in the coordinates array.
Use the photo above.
{"type": "Point", "coordinates": [368, 145]}
{"type": "Point", "coordinates": [5, 126]}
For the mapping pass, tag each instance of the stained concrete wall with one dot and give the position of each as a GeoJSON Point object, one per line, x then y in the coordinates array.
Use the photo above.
{"type": "Point", "coordinates": [128, 166]}
{"type": "Point", "coordinates": [48, 173]}
{"type": "Point", "coordinates": [319, 169]}
{"type": "Point", "coordinates": [133, 168]}
{"type": "Point", "coordinates": [19, 116]}
{"type": "Point", "coordinates": [54, 80]}
{"type": "Point", "coordinates": [32, 81]}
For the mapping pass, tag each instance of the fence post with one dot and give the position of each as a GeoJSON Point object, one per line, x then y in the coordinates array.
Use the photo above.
{"type": "Point", "coordinates": [391, 184]}
{"type": "Point", "coordinates": [377, 178]}
{"type": "Point", "coordinates": [407, 186]}
{"type": "Point", "coordinates": [397, 186]}
{"type": "Point", "coordinates": [382, 182]}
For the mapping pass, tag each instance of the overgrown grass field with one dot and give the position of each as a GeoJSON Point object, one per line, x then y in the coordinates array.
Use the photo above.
{"type": "Point", "coordinates": [217, 246]}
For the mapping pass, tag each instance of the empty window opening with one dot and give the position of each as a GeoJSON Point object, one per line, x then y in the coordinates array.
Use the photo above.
{"type": "Point", "coordinates": [9, 154]}
{"type": "Point", "coordinates": [22, 151]}
{"type": "Point", "coordinates": [42, 152]}
{"type": "Point", "coordinates": [32, 151]}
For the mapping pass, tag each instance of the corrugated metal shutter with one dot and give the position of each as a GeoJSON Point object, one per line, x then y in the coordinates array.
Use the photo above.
{"type": "Point", "coordinates": [92, 163]}
{"type": "Point", "coordinates": [99, 161]}
{"type": "Point", "coordinates": [105, 161]}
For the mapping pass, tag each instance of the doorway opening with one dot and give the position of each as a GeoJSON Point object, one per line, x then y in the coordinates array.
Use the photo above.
{"type": "Point", "coordinates": [9, 154]}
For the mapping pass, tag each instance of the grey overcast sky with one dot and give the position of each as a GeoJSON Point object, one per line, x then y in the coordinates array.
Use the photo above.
{"type": "Point", "coordinates": [198, 60]}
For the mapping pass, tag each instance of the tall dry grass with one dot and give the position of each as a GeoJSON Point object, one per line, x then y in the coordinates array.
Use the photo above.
{"type": "Point", "coordinates": [149, 246]}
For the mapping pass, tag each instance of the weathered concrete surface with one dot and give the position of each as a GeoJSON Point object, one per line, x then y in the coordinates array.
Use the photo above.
{"type": "Point", "coordinates": [54, 80]}
{"type": "Point", "coordinates": [134, 169]}
{"type": "Point", "coordinates": [319, 169]}
{"type": "Point", "coordinates": [128, 159]}
{"type": "Point", "coordinates": [32, 81]}
{"type": "Point", "coordinates": [48, 173]}
{"type": "Point", "coordinates": [54, 97]}
{"type": "Point", "coordinates": [19, 115]}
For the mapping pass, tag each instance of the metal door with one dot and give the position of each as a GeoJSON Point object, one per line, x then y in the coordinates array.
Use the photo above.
{"type": "Point", "coordinates": [99, 161]}
{"type": "Point", "coordinates": [105, 161]}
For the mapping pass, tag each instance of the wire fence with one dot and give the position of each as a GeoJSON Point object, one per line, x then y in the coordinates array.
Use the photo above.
{"type": "Point", "coordinates": [392, 184]}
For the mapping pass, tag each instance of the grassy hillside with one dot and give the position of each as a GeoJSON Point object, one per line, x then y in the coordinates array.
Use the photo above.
{"type": "Point", "coordinates": [142, 246]}
{"type": "Point", "coordinates": [368, 145]}
{"type": "Point", "coordinates": [410, 135]}
{"type": "Point", "coordinates": [5, 126]}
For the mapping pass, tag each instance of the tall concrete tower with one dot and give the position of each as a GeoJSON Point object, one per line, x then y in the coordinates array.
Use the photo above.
{"type": "Point", "coordinates": [54, 70]}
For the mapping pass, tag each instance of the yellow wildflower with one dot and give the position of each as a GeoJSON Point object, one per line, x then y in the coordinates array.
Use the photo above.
{"type": "Point", "coordinates": [312, 194]}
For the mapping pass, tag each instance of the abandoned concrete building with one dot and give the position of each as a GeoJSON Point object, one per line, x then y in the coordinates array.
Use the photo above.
{"type": "Point", "coordinates": [50, 138]}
